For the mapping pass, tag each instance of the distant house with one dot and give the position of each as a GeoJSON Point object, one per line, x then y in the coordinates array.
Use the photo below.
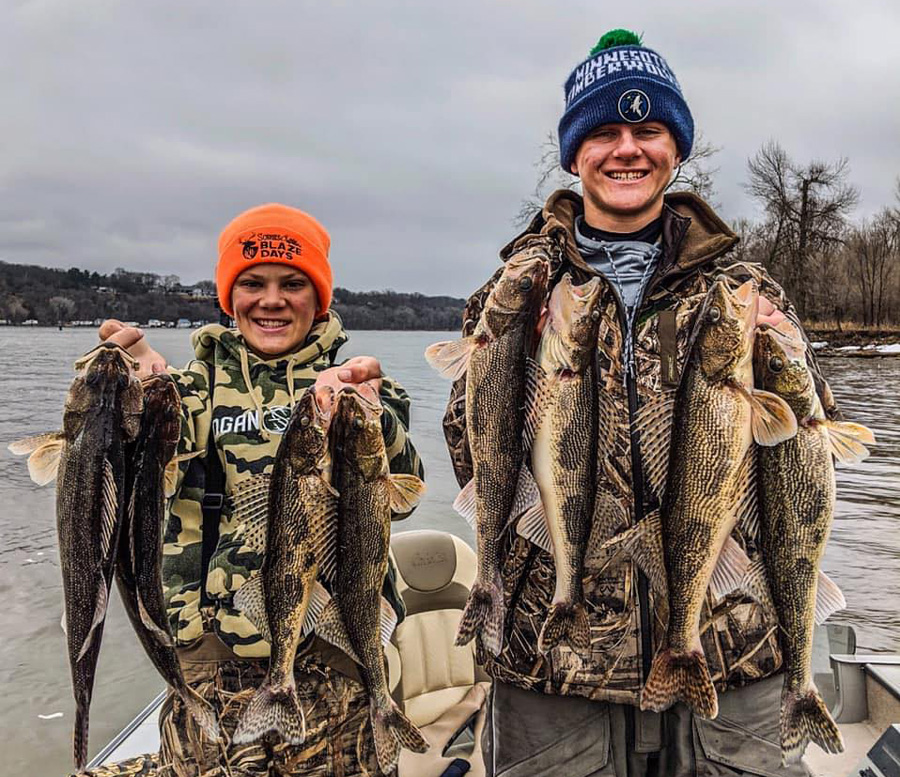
{"type": "Point", "coordinates": [201, 293]}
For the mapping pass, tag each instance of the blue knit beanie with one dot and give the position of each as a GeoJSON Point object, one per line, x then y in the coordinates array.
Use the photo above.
{"type": "Point", "coordinates": [622, 81]}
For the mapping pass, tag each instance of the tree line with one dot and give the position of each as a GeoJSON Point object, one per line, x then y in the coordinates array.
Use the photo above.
{"type": "Point", "coordinates": [54, 296]}
{"type": "Point", "coordinates": [837, 269]}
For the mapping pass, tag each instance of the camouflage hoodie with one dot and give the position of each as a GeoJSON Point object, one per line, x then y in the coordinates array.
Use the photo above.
{"type": "Point", "coordinates": [251, 407]}
{"type": "Point", "coordinates": [739, 638]}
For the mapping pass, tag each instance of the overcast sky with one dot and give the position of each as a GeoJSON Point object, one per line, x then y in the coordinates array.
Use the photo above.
{"type": "Point", "coordinates": [133, 131]}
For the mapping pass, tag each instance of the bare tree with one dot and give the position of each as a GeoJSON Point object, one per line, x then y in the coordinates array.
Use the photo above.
{"type": "Point", "coordinates": [63, 307]}
{"type": "Point", "coordinates": [15, 309]}
{"type": "Point", "coordinates": [696, 174]}
{"type": "Point", "coordinates": [807, 208]}
{"type": "Point", "coordinates": [875, 245]}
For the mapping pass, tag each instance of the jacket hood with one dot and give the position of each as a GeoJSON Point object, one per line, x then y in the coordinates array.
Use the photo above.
{"type": "Point", "coordinates": [700, 234]}
{"type": "Point", "coordinates": [325, 338]}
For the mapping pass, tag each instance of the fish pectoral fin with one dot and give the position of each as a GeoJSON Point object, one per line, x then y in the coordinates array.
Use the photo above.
{"type": "Point", "coordinates": [251, 600]}
{"type": "Point", "coordinates": [405, 492]}
{"type": "Point", "coordinates": [730, 570]}
{"type": "Point", "coordinates": [45, 450]}
{"type": "Point", "coordinates": [250, 504]}
{"type": "Point", "coordinates": [465, 504]}
{"type": "Point", "coordinates": [848, 440]}
{"type": "Point", "coordinates": [746, 496]}
{"type": "Point", "coordinates": [451, 357]}
{"type": "Point", "coordinates": [772, 419]}
{"type": "Point", "coordinates": [318, 601]}
{"type": "Point", "coordinates": [31, 444]}
{"type": "Point", "coordinates": [643, 543]}
{"type": "Point", "coordinates": [755, 584]}
{"type": "Point", "coordinates": [829, 598]}
{"type": "Point", "coordinates": [654, 423]}
{"type": "Point", "coordinates": [388, 621]}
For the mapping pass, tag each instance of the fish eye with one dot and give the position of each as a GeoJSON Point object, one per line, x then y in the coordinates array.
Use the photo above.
{"type": "Point", "coordinates": [776, 364]}
{"type": "Point", "coordinates": [358, 423]}
{"type": "Point", "coordinates": [714, 315]}
{"type": "Point", "coordinates": [526, 282]}
{"type": "Point", "coordinates": [304, 421]}
{"type": "Point", "coordinates": [595, 315]}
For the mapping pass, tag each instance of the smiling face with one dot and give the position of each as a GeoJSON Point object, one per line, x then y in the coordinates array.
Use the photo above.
{"type": "Point", "coordinates": [274, 307]}
{"type": "Point", "coordinates": [624, 171]}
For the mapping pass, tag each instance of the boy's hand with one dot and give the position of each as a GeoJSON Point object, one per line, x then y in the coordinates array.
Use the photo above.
{"type": "Point", "coordinates": [132, 340]}
{"type": "Point", "coordinates": [359, 369]}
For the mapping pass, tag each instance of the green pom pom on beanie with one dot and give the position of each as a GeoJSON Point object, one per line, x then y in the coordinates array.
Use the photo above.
{"type": "Point", "coordinates": [616, 38]}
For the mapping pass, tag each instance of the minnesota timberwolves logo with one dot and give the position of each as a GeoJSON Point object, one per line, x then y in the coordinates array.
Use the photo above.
{"type": "Point", "coordinates": [634, 106]}
{"type": "Point", "coordinates": [276, 419]}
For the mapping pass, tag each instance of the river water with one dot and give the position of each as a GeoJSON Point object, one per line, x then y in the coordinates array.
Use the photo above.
{"type": "Point", "coordinates": [35, 369]}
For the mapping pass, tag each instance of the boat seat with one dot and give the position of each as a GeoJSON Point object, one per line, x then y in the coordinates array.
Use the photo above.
{"type": "Point", "coordinates": [437, 684]}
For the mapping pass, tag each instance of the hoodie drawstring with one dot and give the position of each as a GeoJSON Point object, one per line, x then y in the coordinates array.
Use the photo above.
{"type": "Point", "coordinates": [251, 390]}
{"type": "Point", "coordinates": [290, 379]}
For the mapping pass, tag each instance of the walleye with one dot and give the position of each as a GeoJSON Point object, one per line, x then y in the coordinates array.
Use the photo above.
{"type": "Point", "coordinates": [493, 359]}
{"type": "Point", "coordinates": [300, 533]}
{"type": "Point", "coordinates": [154, 468]}
{"type": "Point", "coordinates": [562, 421]}
{"type": "Point", "coordinates": [102, 414]}
{"type": "Point", "coordinates": [797, 497]}
{"type": "Point", "coordinates": [718, 415]}
{"type": "Point", "coordinates": [368, 493]}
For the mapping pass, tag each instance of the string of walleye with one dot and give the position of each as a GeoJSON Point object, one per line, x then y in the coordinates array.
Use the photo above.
{"type": "Point", "coordinates": [743, 441]}
{"type": "Point", "coordinates": [322, 519]}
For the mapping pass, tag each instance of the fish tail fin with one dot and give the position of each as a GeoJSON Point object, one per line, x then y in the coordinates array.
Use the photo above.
{"type": "Point", "coordinates": [80, 734]}
{"type": "Point", "coordinates": [393, 730]}
{"type": "Point", "coordinates": [485, 613]}
{"type": "Point", "coordinates": [202, 712]}
{"type": "Point", "coordinates": [680, 677]}
{"type": "Point", "coordinates": [272, 708]}
{"type": "Point", "coordinates": [566, 623]}
{"type": "Point", "coordinates": [805, 719]}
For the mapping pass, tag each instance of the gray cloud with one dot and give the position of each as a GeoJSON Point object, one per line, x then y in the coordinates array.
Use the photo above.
{"type": "Point", "coordinates": [134, 131]}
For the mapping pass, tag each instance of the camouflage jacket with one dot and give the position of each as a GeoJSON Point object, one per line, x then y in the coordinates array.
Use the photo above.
{"type": "Point", "coordinates": [248, 393]}
{"type": "Point", "coordinates": [627, 625]}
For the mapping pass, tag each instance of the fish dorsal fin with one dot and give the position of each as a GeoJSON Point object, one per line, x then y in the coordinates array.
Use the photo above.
{"type": "Point", "coordinates": [643, 543]}
{"type": "Point", "coordinates": [606, 421]}
{"type": "Point", "coordinates": [45, 450]}
{"type": "Point", "coordinates": [465, 503]}
{"type": "Point", "coordinates": [746, 495]}
{"type": "Point", "coordinates": [848, 440]}
{"type": "Point", "coordinates": [755, 584]}
{"type": "Point", "coordinates": [324, 544]}
{"type": "Point", "coordinates": [250, 599]}
{"type": "Point", "coordinates": [730, 570]}
{"type": "Point", "coordinates": [451, 357]}
{"type": "Point", "coordinates": [772, 419]}
{"type": "Point", "coordinates": [529, 512]}
{"type": "Point", "coordinates": [109, 509]}
{"type": "Point", "coordinates": [537, 397]}
{"type": "Point", "coordinates": [250, 504]}
{"type": "Point", "coordinates": [829, 598]}
{"type": "Point", "coordinates": [405, 492]}
{"type": "Point", "coordinates": [388, 621]}
{"type": "Point", "coordinates": [654, 423]}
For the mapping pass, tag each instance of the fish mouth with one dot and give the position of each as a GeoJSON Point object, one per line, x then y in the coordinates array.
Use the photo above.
{"type": "Point", "coordinates": [105, 349]}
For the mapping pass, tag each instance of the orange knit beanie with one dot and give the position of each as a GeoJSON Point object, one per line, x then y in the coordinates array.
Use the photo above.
{"type": "Point", "coordinates": [274, 233]}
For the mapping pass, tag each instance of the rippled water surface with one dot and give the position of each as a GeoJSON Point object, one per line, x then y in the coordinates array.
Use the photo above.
{"type": "Point", "coordinates": [35, 370]}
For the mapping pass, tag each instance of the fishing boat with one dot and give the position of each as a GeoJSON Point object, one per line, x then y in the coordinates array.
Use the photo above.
{"type": "Point", "coordinates": [441, 688]}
